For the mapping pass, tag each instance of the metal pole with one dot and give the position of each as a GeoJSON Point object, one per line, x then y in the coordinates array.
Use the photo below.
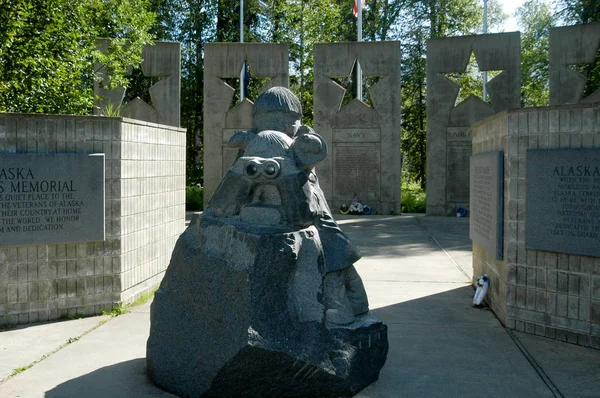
{"type": "Point", "coordinates": [241, 41]}
{"type": "Point", "coordinates": [359, 38]}
{"type": "Point", "coordinates": [485, 30]}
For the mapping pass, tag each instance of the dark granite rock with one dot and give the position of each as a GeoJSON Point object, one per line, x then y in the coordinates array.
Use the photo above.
{"type": "Point", "coordinates": [241, 314]}
{"type": "Point", "coordinates": [261, 298]}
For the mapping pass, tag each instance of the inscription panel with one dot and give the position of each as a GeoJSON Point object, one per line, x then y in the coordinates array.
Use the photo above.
{"type": "Point", "coordinates": [357, 170]}
{"type": "Point", "coordinates": [51, 198]}
{"type": "Point", "coordinates": [457, 174]}
{"type": "Point", "coordinates": [563, 201]}
{"type": "Point", "coordinates": [486, 201]}
{"type": "Point", "coordinates": [459, 134]}
{"type": "Point", "coordinates": [357, 135]}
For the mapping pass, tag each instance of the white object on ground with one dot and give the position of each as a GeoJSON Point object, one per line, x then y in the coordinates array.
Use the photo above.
{"type": "Point", "coordinates": [483, 283]}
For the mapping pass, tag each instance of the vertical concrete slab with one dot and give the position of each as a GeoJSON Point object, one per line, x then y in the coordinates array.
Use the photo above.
{"type": "Point", "coordinates": [163, 60]}
{"type": "Point", "coordinates": [572, 45]}
{"type": "Point", "coordinates": [364, 141]}
{"type": "Point", "coordinates": [449, 126]}
{"type": "Point", "coordinates": [225, 60]}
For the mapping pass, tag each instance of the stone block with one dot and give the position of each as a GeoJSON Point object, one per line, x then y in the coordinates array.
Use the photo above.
{"type": "Point", "coordinates": [540, 330]}
{"type": "Point", "coordinates": [540, 301]}
{"type": "Point", "coordinates": [562, 305]}
{"type": "Point", "coordinates": [530, 327]}
{"type": "Point", "coordinates": [584, 310]}
{"type": "Point", "coordinates": [572, 324]}
{"type": "Point", "coordinates": [583, 340]}
{"type": "Point", "coordinates": [562, 285]}
{"type": "Point", "coordinates": [162, 59]}
{"type": "Point", "coordinates": [595, 311]}
{"type": "Point", "coordinates": [563, 261]}
{"type": "Point", "coordinates": [574, 281]}
{"type": "Point", "coordinates": [521, 297]}
{"type": "Point", "coordinates": [250, 319]}
{"type": "Point", "coordinates": [573, 307]}
{"type": "Point", "coordinates": [486, 201]}
{"type": "Point", "coordinates": [531, 277]}
{"type": "Point", "coordinates": [541, 279]}
{"type": "Point", "coordinates": [531, 299]}
{"type": "Point", "coordinates": [450, 55]}
{"type": "Point", "coordinates": [571, 45]}
{"type": "Point", "coordinates": [596, 287]}
{"type": "Point", "coordinates": [362, 137]}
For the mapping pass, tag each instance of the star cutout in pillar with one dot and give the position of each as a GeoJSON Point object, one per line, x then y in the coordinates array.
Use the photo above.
{"type": "Point", "coordinates": [139, 86]}
{"type": "Point", "coordinates": [254, 86]}
{"type": "Point", "coordinates": [470, 81]}
{"type": "Point", "coordinates": [591, 90]}
{"type": "Point", "coordinates": [349, 84]}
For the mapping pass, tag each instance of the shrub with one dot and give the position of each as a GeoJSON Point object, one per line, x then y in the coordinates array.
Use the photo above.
{"type": "Point", "coordinates": [413, 199]}
{"type": "Point", "coordinates": [194, 198]}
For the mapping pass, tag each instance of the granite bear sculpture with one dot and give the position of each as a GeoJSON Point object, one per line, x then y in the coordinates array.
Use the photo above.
{"type": "Point", "coordinates": [261, 298]}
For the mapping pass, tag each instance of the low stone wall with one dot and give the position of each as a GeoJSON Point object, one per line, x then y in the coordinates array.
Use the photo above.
{"type": "Point", "coordinates": [546, 293]}
{"type": "Point", "coordinates": [144, 216]}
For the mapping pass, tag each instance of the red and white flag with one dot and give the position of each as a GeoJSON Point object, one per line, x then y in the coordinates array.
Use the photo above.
{"type": "Point", "coordinates": [355, 12]}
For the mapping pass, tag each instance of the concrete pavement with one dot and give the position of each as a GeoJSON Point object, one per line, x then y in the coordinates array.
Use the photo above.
{"type": "Point", "coordinates": [416, 271]}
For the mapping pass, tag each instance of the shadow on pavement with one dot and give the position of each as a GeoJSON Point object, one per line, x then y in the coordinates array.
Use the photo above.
{"type": "Point", "coordinates": [125, 379]}
{"type": "Point", "coordinates": [439, 346]}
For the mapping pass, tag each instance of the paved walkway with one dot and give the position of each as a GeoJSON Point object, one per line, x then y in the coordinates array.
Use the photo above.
{"type": "Point", "coordinates": [416, 270]}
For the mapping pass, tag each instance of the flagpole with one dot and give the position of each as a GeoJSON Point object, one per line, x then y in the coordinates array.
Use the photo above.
{"type": "Point", "coordinates": [485, 30]}
{"type": "Point", "coordinates": [359, 4]}
{"type": "Point", "coordinates": [241, 41]}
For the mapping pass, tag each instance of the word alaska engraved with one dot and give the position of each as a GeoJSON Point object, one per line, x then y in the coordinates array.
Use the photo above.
{"type": "Point", "coordinates": [51, 198]}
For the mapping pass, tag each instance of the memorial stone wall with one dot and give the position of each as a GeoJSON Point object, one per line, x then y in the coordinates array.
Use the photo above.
{"type": "Point", "coordinates": [547, 281]}
{"type": "Point", "coordinates": [364, 140]}
{"type": "Point", "coordinates": [449, 124]}
{"type": "Point", "coordinates": [101, 201]}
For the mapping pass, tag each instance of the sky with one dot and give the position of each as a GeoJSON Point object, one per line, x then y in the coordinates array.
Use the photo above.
{"type": "Point", "coordinates": [509, 7]}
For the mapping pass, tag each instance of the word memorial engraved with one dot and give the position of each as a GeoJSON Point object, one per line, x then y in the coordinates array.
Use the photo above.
{"type": "Point", "coordinates": [486, 201]}
{"type": "Point", "coordinates": [563, 201]}
{"type": "Point", "coordinates": [51, 198]}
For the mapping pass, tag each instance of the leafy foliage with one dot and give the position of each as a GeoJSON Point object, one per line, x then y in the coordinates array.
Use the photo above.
{"type": "Point", "coordinates": [41, 67]}
{"type": "Point", "coordinates": [48, 50]}
{"type": "Point", "coordinates": [194, 198]}
{"type": "Point", "coordinates": [580, 12]}
{"type": "Point", "coordinates": [534, 20]}
{"type": "Point", "coordinates": [419, 21]}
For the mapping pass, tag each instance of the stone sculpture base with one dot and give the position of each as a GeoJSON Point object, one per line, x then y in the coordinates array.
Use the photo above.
{"type": "Point", "coordinates": [241, 314]}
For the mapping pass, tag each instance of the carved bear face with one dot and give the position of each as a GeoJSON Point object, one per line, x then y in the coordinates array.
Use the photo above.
{"type": "Point", "coordinates": [272, 183]}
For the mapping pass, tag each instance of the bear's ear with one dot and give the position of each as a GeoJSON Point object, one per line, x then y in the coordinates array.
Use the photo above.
{"type": "Point", "coordinates": [308, 149]}
{"type": "Point", "coordinates": [241, 139]}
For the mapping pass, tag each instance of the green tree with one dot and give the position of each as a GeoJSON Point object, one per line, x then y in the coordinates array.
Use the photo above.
{"type": "Point", "coordinates": [48, 51]}
{"type": "Point", "coordinates": [301, 24]}
{"type": "Point", "coordinates": [419, 21]}
{"type": "Point", "coordinates": [581, 12]}
{"type": "Point", "coordinates": [578, 11]}
{"type": "Point", "coordinates": [534, 19]}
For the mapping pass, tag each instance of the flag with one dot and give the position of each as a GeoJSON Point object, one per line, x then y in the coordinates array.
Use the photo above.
{"type": "Point", "coordinates": [246, 80]}
{"type": "Point", "coordinates": [355, 12]}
